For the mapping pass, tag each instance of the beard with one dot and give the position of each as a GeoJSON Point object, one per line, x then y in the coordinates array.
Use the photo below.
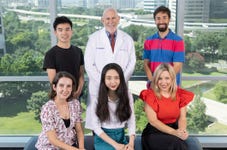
{"type": "Point", "coordinates": [162, 28]}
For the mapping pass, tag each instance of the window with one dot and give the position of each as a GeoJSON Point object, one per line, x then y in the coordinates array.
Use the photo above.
{"type": "Point", "coordinates": [27, 38]}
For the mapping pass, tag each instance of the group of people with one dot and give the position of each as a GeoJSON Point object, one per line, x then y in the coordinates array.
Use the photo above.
{"type": "Point", "coordinates": [109, 62]}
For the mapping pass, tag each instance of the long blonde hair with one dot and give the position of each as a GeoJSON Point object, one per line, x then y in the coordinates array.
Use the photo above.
{"type": "Point", "coordinates": [158, 71]}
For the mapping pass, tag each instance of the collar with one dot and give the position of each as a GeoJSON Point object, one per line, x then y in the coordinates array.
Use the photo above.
{"type": "Point", "coordinates": [108, 34]}
{"type": "Point", "coordinates": [167, 35]}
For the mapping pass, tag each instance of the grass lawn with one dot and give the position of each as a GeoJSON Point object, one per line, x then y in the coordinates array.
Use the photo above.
{"type": "Point", "coordinates": [210, 94]}
{"type": "Point", "coordinates": [23, 123]}
{"type": "Point", "coordinates": [216, 128]}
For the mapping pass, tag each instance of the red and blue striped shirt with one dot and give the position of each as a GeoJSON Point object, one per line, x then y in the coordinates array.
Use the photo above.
{"type": "Point", "coordinates": [164, 50]}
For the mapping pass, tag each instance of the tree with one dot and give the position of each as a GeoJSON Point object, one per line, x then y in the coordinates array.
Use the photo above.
{"type": "Point", "coordinates": [141, 119]}
{"type": "Point", "coordinates": [197, 119]}
{"type": "Point", "coordinates": [5, 64]}
{"type": "Point", "coordinates": [36, 101]}
{"type": "Point", "coordinates": [195, 61]}
{"type": "Point", "coordinates": [23, 61]}
{"type": "Point", "coordinates": [222, 50]}
{"type": "Point", "coordinates": [207, 43]}
{"type": "Point", "coordinates": [220, 91]}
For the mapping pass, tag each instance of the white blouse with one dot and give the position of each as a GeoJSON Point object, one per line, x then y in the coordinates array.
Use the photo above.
{"type": "Point", "coordinates": [113, 123]}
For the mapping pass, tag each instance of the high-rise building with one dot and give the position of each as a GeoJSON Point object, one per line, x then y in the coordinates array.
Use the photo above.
{"type": "Point", "coordinates": [118, 4]}
{"type": "Point", "coordinates": [218, 9]}
{"type": "Point", "coordinates": [44, 4]}
{"type": "Point", "coordinates": [151, 5]}
{"type": "Point", "coordinates": [197, 11]}
{"type": "Point", "coordinates": [2, 37]}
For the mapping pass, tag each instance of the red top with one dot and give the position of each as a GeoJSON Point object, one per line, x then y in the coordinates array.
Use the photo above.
{"type": "Point", "coordinates": [167, 110]}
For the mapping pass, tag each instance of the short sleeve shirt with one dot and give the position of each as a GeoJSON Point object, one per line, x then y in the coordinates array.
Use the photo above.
{"type": "Point", "coordinates": [167, 110]}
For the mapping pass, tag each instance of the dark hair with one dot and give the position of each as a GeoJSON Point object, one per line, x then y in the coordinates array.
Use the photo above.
{"type": "Point", "coordinates": [162, 9]}
{"type": "Point", "coordinates": [61, 20]}
{"type": "Point", "coordinates": [123, 111]}
{"type": "Point", "coordinates": [57, 77]}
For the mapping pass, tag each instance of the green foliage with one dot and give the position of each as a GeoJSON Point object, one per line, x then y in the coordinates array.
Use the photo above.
{"type": "Point", "coordinates": [195, 61]}
{"type": "Point", "coordinates": [36, 101]}
{"type": "Point", "coordinates": [220, 91]}
{"type": "Point", "coordinates": [141, 119]}
{"type": "Point", "coordinates": [197, 119]}
{"type": "Point", "coordinates": [26, 63]}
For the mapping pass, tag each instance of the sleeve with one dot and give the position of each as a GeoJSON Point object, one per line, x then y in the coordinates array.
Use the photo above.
{"type": "Point", "coordinates": [149, 97]}
{"type": "Point", "coordinates": [132, 121]}
{"type": "Point", "coordinates": [146, 53]}
{"type": "Point", "coordinates": [49, 61]}
{"type": "Point", "coordinates": [47, 118]}
{"type": "Point", "coordinates": [185, 97]}
{"type": "Point", "coordinates": [179, 51]}
{"type": "Point", "coordinates": [78, 111]}
{"type": "Point", "coordinates": [82, 58]}
{"type": "Point", "coordinates": [95, 120]}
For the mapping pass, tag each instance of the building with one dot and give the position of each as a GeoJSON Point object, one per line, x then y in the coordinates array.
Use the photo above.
{"type": "Point", "coordinates": [44, 4]}
{"type": "Point", "coordinates": [218, 9]}
{"type": "Point", "coordinates": [118, 4]}
{"type": "Point", "coordinates": [2, 37]}
{"type": "Point", "coordinates": [151, 5]}
{"type": "Point", "coordinates": [197, 11]}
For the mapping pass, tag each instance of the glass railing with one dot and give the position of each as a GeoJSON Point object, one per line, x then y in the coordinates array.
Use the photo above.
{"type": "Point", "coordinates": [21, 98]}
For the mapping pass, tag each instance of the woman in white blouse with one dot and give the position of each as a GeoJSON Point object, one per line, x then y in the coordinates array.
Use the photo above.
{"type": "Point", "coordinates": [113, 111]}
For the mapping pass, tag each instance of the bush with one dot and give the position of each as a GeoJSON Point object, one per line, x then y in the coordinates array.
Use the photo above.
{"type": "Point", "coordinates": [36, 101]}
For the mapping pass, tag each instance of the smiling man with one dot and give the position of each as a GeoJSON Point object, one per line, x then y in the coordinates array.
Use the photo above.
{"type": "Point", "coordinates": [163, 47]}
{"type": "Point", "coordinates": [64, 56]}
{"type": "Point", "coordinates": [107, 45]}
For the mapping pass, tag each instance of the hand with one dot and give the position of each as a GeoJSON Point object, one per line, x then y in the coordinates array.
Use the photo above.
{"type": "Point", "coordinates": [129, 147]}
{"type": "Point", "coordinates": [148, 85]}
{"type": "Point", "coordinates": [182, 134]}
{"type": "Point", "coordinates": [76, 94]}
{"type": "Point", "coordinates": [120, 147]}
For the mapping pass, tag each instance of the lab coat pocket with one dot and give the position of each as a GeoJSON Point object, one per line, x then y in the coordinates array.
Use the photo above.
{"type": "Point", "coordinates": [123, 57]}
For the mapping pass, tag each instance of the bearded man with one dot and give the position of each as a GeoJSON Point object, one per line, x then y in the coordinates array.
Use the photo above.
{"type": "Point", "coordinates": [163, 47]}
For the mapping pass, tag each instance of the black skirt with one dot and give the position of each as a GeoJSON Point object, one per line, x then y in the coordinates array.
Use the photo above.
{"type": "Point", "coordinates": [153, 139]}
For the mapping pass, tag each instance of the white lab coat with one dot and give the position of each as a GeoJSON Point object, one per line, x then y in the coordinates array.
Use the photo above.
{"type": "Point", "coordinates": [98, 53]}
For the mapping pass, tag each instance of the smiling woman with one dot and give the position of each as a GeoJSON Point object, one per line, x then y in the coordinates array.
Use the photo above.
{"type": "Point", "coordinates": [61, 116]}
{"type": "Point", "coordinates": [25, 38]}
{"type": "Point", "coordinates": [165, 106]}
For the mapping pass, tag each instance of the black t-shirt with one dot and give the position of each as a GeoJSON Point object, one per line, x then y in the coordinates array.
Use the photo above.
{"type": "Point", "coordinates": [68, 60]}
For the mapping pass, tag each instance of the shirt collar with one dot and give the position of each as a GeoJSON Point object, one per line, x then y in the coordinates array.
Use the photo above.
{"type": "Point", "coordinates": [108, 34]}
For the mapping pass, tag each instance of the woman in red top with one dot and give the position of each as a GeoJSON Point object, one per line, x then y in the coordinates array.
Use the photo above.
{"type": "Point", "coordinates": [165, 105]}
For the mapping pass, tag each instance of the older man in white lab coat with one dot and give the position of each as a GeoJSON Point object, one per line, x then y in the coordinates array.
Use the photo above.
{"type": "Point", "coordinates": [101, 50]}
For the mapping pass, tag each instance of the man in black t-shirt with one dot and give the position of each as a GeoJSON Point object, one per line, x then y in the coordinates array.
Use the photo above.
{"type": "Point", "coordinates": [64, 56]}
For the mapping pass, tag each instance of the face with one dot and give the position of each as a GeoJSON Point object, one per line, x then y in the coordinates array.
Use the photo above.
{"type": "Point", "coordinates": [112, 79]}
{"type": "Point", "coordinates": [63, 32]}
{"type": "Point", "coordinates": [162, 21]}
{"type": "Point", "coordinates": [110, 21]}
{"type": "Point", "coordinates": [63, 88]}
{"type": "Point", "coordinates": [164, 81]}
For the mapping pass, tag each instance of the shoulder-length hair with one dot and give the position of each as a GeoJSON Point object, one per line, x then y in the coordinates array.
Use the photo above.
{"type": "Point", "coordinates": [57, 77]}
{"type": "Point", "coordinates": [123, 111]}
{"type": "Point", "coordinates": [158, 71]}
